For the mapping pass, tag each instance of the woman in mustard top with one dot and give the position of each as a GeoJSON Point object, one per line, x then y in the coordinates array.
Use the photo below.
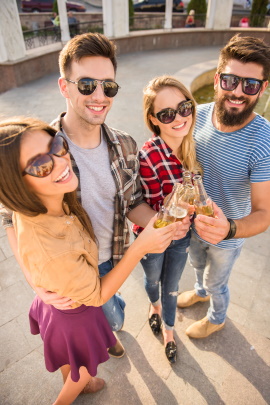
{"type": "Point", "coordinates": [56, 244]}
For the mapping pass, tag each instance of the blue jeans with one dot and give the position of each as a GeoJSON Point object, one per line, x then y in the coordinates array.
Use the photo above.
{"type": "Point", "coordinates": [212, 267]}
{"type": "Point", "coordinates": [114, 308]}
{"type": "Point", "coordinates": [166, 269]}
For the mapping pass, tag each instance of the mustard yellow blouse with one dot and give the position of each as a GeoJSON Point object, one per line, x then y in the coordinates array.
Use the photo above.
{"type": "Point", "coordinates": [60, 256]}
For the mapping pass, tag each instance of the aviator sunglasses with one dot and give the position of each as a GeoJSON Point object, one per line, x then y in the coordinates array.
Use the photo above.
{"type": "Point", "coordinates": [42, 165]}
{"type": "Point", "coordinates": [250, 86]}
{"type": "Point", "coordinates": [166, 116]}
{"type": "Point", "coordinates": [87, 86]}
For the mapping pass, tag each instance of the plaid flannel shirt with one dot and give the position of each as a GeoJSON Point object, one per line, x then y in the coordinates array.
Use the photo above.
{"type": "Point", "coordinates": [123, 154]}
{"type": "Point", "coordinates": [159, 170]}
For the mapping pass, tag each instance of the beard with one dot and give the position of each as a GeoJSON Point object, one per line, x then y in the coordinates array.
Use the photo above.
{"type": "Point", "coordinates": [233, 117]}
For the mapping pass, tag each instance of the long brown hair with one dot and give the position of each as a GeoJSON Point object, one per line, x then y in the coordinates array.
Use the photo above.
{"type": "Point", "coordinates": [186, 152]}
{"type": "Point", "coordinates": [14, 194]}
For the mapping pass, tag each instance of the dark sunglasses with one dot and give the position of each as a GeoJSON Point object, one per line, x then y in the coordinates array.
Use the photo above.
{"type": "Point", "coordinates": [42, 165]}
{"type": "Point", "coordinates": [249, 86]}
{"type": "Point", "coordinates": [87, 86]}
{"type": "Point", "coordinates": [166, 116]}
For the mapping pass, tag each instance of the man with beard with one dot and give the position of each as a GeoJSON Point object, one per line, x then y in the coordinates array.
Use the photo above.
{"type": "Point", "coordinates": [233, 147]}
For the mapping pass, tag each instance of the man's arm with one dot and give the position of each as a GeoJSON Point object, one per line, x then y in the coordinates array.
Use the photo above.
{"type": "Point", "coordinates": [46, 296]}
{"type": "Point", "coordinates": [141, 214]}
{"type": "Point", "coordinates": [254, 223]}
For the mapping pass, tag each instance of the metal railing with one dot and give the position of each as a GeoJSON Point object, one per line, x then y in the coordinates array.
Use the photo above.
{"type": "Point", "coordinates": [49, 35]}
{"type": "Point", "coordinates": [41, 37]}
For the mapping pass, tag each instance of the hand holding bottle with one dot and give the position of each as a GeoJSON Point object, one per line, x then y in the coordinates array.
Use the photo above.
{"type": "Point", "coordinates": [212, 229]}
{"type": "Point", "coordinates": [153, 240]}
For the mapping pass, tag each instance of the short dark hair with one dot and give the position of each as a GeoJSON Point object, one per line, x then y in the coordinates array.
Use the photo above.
{"type": "Point", "coordinates": [90, 44]}
{"type": "Point", "coordinates": [246, 50]}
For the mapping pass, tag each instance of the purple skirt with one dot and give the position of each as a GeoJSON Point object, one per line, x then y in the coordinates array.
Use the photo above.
{"type": "Point", "coordinates": [78, 337]}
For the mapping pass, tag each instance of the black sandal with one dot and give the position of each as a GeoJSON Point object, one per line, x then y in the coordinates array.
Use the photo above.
{"type": "Point", "coordinates": [155, 323]}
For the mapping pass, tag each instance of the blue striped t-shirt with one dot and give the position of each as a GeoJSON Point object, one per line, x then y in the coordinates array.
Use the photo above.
{"type": "Point", "coordinates": [231, 161]}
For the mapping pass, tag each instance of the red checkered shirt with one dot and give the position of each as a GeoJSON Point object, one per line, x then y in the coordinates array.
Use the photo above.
{"type": "Point", "coordinates": [159, 170]}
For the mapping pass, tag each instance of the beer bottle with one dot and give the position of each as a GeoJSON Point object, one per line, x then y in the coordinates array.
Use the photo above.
{"type": "Point", "coordinates": [202, 202]}
{"type": "Point", "coordinates": [168, 212]}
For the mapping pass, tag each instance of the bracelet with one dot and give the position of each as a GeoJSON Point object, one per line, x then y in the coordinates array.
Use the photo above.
{"type": "Point", "coordinates": [232, 230]}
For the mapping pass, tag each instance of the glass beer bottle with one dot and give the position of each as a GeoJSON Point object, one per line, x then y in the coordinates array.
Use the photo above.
{"type": "Point", "coordinates": [168, 212]}
{"type": "Point", "coordinates": [202, 202]}
{"type": "Point", "coordinates": [187, 178]}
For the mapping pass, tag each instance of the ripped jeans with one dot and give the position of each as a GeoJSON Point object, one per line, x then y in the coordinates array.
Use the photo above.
{"type": "Point", "coordinates": [165, 269]}
{"type": "Point", "coordinates": [114, 308]}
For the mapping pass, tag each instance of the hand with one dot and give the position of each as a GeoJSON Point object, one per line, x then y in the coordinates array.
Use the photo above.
{"type": "Point", "coordinates": [53, 299]}
{"type": "Point", "coordinates": [212, 230]}
{"type": "Point", "coordinates": [152, 240]}
{"type": "Point", "coordinates": [182, 227]}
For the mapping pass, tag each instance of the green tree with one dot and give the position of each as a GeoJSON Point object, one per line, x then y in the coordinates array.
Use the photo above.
{"type": "Point", "coordinates": [258, 12]}
{"type": "Point", "coordinates": [200, 8]}
{"type": "Point", "coordinates": [55, 7]}
{"type": "Point", "coordinates": [131, 12]}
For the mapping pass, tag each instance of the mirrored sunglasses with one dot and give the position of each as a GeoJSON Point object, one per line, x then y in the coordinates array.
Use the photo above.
{"type": "Point", "coordinates": [87, 86]}
{"type": "Point", "coordinates": [250, 86]}
{"type": "Point", "coordinates": [42, 165]}
{"type": "Point", "coordinates": [166, 116]}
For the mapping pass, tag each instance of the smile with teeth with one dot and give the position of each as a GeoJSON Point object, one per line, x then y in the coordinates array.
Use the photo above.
{"type": "Point", "coordinates": [179, 126]}
{"type": "Point", "coordinates": [96, 108]}
{"type": "Point", "coordinates": [63, 176]}
{"type": "Point", "coordinates": [238, 102]}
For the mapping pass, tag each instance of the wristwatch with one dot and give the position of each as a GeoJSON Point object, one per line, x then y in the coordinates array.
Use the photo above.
{"type": "Point", "coordinates": [232, 230]}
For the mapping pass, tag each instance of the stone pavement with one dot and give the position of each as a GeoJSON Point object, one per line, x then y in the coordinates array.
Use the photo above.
{"type": "Point", "coordinates": [230, 367]}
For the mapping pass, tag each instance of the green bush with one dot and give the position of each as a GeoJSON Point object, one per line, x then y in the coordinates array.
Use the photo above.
{"type": "Point", "coordinates": [200, 8]}
{"type": "Point", "coordinates": [258, 12]}
{"type": "Point", "coordinates": [55, 7]}
{"type": "Point", "coordinates": [131, 12]}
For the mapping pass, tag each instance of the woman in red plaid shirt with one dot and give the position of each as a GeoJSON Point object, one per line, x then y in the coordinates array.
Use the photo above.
{"type": "Point", "coordinates": [169, 112]}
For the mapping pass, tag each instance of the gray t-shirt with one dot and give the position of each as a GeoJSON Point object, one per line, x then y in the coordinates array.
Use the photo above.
{"type": "Point", "coordinates": [98, 192]}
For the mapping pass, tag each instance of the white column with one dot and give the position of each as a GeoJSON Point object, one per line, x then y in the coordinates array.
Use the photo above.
{"type": "Point", "coordinates": [62, 9]}
{"type": "Point", "coordinates": [168, 15]}
{"type": "Point", "coordinates": [12, 45]}
{"type": "Point", "coordinates": [115, 18]}
{"type": "Point", "coordinates": [219, 14]}
{"type": "Point", "coordinates": [107, 10]}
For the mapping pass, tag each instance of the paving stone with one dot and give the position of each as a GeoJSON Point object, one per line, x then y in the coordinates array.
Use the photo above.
{"type": "Point", "coordinates": [2, 257]}
{"type": "Point", "coordinates": [259, 243]}
{"type": "Point", "coordinates": [10, 273]}
{"type": "Point", "coordinates": [14, 301]}
{"type": "Point", "coordinates": [27, 382]}
{"type": "Point", "coordinates": [4, 245]}
{"type": "Point", "coordinates": [242, 289]}
{"type": "Point", "coordinates": [250, 264]}
{"type": "Point", "coordinates": [2, 231]}
{"type": "Point", "coordinates": [13, 344]}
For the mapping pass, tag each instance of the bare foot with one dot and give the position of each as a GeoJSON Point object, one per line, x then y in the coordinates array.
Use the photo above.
{"type": "Point", "coordinates": [94, 385]}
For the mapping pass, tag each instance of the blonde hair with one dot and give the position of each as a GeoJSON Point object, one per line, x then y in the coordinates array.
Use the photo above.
{"type": "Point", "coordinates": [186, 152]}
